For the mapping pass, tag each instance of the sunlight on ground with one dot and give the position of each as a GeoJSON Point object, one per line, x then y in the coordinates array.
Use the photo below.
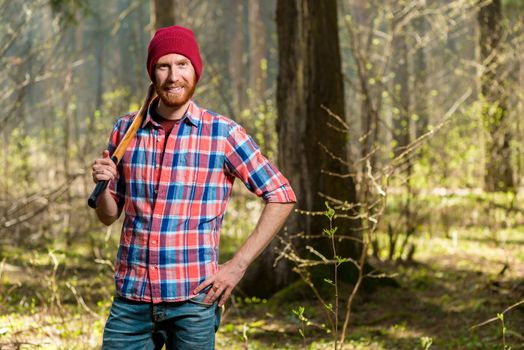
{"type": "Point", "coordinates": [453, 284]}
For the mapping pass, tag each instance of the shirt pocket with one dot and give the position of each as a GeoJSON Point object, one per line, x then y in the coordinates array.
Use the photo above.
{"type": "Point", "coordinates": [202, 184]}
{"type": "Point", "coordinates": [184, 168]}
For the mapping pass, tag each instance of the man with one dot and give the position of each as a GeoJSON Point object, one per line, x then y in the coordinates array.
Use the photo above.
{"type": "Point", "coordinates": [173, 184]}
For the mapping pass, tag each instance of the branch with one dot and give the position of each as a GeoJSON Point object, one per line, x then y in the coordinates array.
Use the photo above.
{"type": "Point", "coordinates": [496, 318]}
{"type": "Point", "coordinates": [49, 196]}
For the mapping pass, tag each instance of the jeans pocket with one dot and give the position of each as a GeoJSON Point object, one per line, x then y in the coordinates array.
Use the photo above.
{"type": "Point", "coordinates": [199, 299]}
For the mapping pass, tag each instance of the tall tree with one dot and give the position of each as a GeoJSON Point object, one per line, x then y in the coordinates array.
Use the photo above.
{"type": "Point", "coordinates": [236, 53]}
{"type": "Point", "coordinates": [162, 13]}
{"type": "Point", "coordinates": [401, 118]}
{"type": "Point", "coordinates": [420, 84]}
{"type": "Point", "coordinates": [258, 62]}
{"type": "Point", "coordinates": [257, 49]}
{"type": "Point", "coordinates": [402, 121]}
{"type": "Point", "coordinates": [309, 82]}
{"type": "Point", "coordinates": [498, 171]}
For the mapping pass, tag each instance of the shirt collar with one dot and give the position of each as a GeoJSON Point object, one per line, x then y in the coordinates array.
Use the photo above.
{"type": "Point", "coordinates": [191, 117]}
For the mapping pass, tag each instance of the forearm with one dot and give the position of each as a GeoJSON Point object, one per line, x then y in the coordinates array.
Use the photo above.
{"type": "Point", "coordinates": [271, 220]}
{"type": "Point", "coordinates": [107, 210]}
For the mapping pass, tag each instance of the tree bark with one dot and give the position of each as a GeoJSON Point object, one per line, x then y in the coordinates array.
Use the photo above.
{"type": "Point", "coordinates": [402, 128]}
{"type": "Point", "coordinates": [257, 48]}
{"type": "Point", "coordinates": [499, 172]}
{"type": "Point", "coordinates": [258, 75]}
{"type": "Point", "coordinates": [310, 77]}
{"type": "Point", "coordinates": [236, 62]}
{"type": "Point", "coordinates": [162, 13]}
{"type": "Point", "coordinates": [401, 117]}
{"type": "Point", "coordinates": [420, 85]}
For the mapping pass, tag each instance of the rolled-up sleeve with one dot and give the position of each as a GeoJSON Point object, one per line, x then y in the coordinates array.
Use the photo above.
{"type": "Point", "coordinates": [244, 160]}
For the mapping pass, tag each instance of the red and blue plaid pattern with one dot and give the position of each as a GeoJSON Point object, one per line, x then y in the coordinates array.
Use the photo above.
{"type": "Point", "coordinates": [174, 202]}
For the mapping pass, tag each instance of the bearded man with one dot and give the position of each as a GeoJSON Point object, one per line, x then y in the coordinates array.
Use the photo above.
{"type": "Point", "coordinates": [173, 184]}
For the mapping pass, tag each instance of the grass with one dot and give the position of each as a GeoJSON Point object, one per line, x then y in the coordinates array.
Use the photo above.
{"type": "Point", "coordinates": [453, 284]}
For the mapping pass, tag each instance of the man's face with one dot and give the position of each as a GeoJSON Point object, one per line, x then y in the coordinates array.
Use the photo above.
{"type": "Point", "coordinates": [174, 80]}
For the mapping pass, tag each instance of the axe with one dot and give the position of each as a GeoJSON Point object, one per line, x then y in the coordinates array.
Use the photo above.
{"type": "Point", "coordinates": [122, 146]}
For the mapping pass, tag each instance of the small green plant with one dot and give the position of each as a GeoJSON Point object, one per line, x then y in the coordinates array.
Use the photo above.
{"type": "Point", "coordinates": [299, 312]}
{"type": "Point", "coordinates": [426, 342]}
{"type": "Point", "coordinates": [331, 309]}
{"type": "Point", "coordinates": [330, 232]}
{"type": "Point", "coordinates": [500, 317]}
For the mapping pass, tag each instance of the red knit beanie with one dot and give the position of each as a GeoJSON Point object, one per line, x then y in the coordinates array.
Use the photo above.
{"type": "Point", "coordinates": [174, 39]}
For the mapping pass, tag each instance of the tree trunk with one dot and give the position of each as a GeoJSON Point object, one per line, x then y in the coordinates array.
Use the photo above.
{"type": "Point", "coordinates": [258, 75]}
{"type": "Point", "coordinates": [520, 112]}
{"type": "Point", "coordinates": [236, 62]}
{"type": "Point", "coordinates": [309, 77]}
{"type": "Point", "coordinates": [162, 13]}
{"type": "Point", "coordinates": [401, 117]}
{"type": "Point", "coordinates": [257, 48]}
{"type": "Point", "coordinates": [420, 85]}
{"type": "Point", "coordinates": [498, 173]}
{"type": "Point", "coordinates": [402, 128]}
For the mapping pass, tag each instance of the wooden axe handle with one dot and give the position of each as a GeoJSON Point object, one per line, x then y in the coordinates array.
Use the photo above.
{"type": "Point", "coordinates": [121, 148]}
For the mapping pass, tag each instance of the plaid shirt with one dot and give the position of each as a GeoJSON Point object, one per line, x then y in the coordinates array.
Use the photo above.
{"type": "Point", "coordinates": [174, 200]}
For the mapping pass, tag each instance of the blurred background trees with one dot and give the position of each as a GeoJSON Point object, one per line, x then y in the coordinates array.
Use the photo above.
{"type": "Point", "coordinates": [426, 95]}
{"type": "Point", "coordinates": [71, 67]}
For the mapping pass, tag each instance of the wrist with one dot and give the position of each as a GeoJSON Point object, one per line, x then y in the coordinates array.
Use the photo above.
{"type": "Point", "coordinates": [240, 262]}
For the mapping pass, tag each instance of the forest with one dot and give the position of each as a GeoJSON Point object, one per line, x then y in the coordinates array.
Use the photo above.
{"type": "Point", "coordinates": [396, 122]}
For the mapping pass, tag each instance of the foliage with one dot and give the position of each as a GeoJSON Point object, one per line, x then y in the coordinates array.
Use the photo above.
{"type": "Point", "coordinates": [463, 288]}
{"type": "Point", "coordinates": [455, 249]}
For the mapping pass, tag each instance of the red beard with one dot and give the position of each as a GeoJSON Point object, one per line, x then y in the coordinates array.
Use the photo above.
{"type": "Point", "coordinates": [175, 99]}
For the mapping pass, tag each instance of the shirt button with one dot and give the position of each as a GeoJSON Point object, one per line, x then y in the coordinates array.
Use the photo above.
{"type": "Point", "coordinates": [153, 241]}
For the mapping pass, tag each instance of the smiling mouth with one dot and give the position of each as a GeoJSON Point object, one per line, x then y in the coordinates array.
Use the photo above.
{"type": "Point", "coordinates": [174, 89]}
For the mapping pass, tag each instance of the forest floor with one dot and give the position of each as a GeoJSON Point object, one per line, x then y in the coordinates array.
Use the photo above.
{"type": "Point", "coordinates": [454, 284]}
{"type": "Point", "coordinates": [53, 301]}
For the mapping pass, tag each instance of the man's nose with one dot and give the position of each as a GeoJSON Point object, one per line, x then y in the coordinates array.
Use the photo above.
{"type": "Point", "coordinates": [173, 74]}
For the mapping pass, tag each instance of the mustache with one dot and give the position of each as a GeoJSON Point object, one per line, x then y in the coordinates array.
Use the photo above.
{"type": "Point", "coordinates": [171, 85]}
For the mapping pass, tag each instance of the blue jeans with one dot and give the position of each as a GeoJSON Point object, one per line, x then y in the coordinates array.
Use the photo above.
{"type": "Point", "coordinates": [185, 325]}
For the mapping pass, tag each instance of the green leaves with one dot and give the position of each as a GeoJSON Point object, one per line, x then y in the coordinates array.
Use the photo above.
{"type": "Point", "coordinates": [341, 260]}
{"type": "Point", "coordinates": [330, 212]}
{"type": "Point", "coordinates": [299, 312]}
{"type": "Point", "coordinates": [329, 307]}
{"type": "Point", "coordinates": [330, 232]}
{"type": "Point", "coordinates": [328, 281]}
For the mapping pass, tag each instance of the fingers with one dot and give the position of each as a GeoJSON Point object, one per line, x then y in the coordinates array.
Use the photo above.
{"type": "Point", "coordinates": [218, 292]}
{"type": "Point", "coordinates": [222, 283]}
{"type": "Point", "coordinates": [104, 169]}
{"type": "Point", "coordinates": [103, 174]}
{"type": "Point", "coordinates": [224, 297]}
{"type": "Point", "coordinates": [214, 293]}
{"type": "Point", "coordinates": [204, 284]}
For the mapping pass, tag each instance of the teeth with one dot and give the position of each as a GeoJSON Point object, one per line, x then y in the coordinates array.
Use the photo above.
{"type": "Point", "coordinates": [174, 89]}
